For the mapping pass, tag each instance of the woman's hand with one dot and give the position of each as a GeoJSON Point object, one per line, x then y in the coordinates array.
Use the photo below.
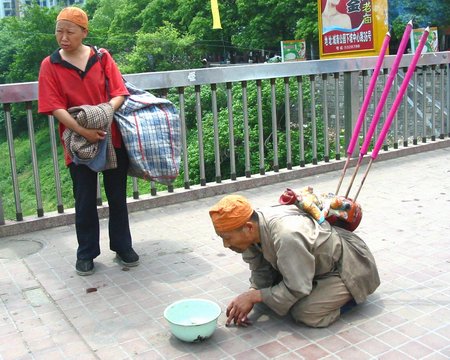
{"type": "Point", "coordinates": [240, 307]}
{"type": "Point", "coordinates": [92, 135]}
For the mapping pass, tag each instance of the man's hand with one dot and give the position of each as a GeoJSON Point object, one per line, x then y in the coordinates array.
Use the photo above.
{"type": "Point", "coordinates": [239, 308]}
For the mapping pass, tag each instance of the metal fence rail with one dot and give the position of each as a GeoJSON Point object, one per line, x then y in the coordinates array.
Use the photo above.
{"type": "Point", "coordinates": [320, 98]}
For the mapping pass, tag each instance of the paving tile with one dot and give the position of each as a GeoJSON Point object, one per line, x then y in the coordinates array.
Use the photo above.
{"type": "Point", "coordinates": [257, 337]}
{"type": "Point", "coordinates": [393, 338]}
{"type": "Point", "coordinates": [250, 354]}
{"type": "Point", "coordinates": [353, 352]}
{"type": "Point", "coordinates": [154, 355]}
{"type": "Point", "coordinates": [333, 343]}
{"type": "Point", "coordinates": [373, 346]}
{"type": "Point", "coordinates": [353, 335]}
{"type": "Point", "coordinates": [294, 341]}
{"type": "Point", "coordinates": [273, 349]}
{"type": "Point", "coordinates": [394, 355]}
{"type": "Point", "coordinates": [415, 349]}
{"type": "Point", "coordinates": [412, 330]}
{"type": "Point", "coordinates": [13, 349]}
{"type": "Point", "coordinates": [50, 354]}
{"type": "Point", "coordinates": [436, 356]}
{"type": "Point", "coordinates": [294, 356]}
{"type": "Point", "coordinates": [391, 319]}
{"type": "Point", "coordinates": [74, 348]}
{"type": "Point", "coordinates": [434, 341]}
{"type": "Point", "coordinates": [446, 351]}
{"type": "Point", "coordinates": [409, 313]}
{"type": "Point", "coordinates": [234, 346]}
{"type": "Point", "coordinates": [134, 347]}
{"type": "Point", "coordinates": [312, 351]}
{"type": "Point", "coordinates": [46, 312]}
{"type": "Point", "coordinates": [373, 327]}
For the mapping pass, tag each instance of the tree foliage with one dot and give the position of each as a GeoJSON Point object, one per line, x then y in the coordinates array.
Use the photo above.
{"type": "Point", "coordinates": [125, 26]}
{"type": "Point", "coordinates": [33, 39]}
{"type": "Point", "coordinates": [165, 47]}
{"type": "Point", "coordinates": [158, 35]}
{"type": "Point", "coordinates": [262, 24]}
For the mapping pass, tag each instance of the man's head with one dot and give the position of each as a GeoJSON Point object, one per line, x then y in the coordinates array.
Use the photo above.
{"type": "Point", "coordinates": [74, 15]}
{"type": "Point", "coordinates": [234, 221]}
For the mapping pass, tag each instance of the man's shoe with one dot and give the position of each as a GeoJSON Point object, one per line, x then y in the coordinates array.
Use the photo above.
{"type": "Point", "coordinates": [84, 267]}
{"type": "Point", "coordinates": [128, 258]}
{"type": "Point", "coordinates": [348, 306]}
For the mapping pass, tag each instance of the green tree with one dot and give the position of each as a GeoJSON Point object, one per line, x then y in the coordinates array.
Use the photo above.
{"type": "Point", "coordinates": [115, 23]}
{"type": "Point", "coordinates": [166, 48]}
{"type": "Point", "coordinates": [423, 13]}
{"type": "Point", "coordinates": [156, 13]}
{"type": "Point", "coordinates": [33, 39]}
{"type": "Point", "coordinates": [263, 24]}
{"type": "Point", "coordinates": [307, 25]}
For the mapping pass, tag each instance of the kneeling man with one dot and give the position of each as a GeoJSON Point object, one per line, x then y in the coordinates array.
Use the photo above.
{"type": "Point", "coordinates": [297, 265]}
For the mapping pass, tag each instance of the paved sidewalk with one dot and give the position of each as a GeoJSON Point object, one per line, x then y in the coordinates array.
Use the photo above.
{"type": "Point", "coordinates": [48, 312]}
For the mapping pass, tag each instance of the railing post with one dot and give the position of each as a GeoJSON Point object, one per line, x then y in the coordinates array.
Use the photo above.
{"type": "Point", "coordinates": [448, 99]}
{"type": "Point", "coordinates": [2, 214]}
{"type": "Point", "coordinates": [351, 106]}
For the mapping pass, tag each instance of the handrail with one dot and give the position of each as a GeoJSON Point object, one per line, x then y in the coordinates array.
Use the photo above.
{"type": "Point", "coordinates": [329, 116]}
{"type": "Point", "coordinates": [27, 91]}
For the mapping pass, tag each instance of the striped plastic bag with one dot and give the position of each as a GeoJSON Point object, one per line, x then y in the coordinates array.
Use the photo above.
{"type": "Point", "coordinates": [151, 130]}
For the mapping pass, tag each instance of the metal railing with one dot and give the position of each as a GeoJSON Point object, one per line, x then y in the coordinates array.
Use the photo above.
{"type": "Point", "coordinates": [292, 115]}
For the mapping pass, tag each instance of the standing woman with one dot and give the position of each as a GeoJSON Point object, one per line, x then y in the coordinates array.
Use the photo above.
{"type": "Point", "coordinates": [75, 76]}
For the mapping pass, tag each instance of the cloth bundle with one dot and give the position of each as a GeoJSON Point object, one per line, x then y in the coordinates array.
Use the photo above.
{"type": "Point", "coordinates": [98, 156]}
{"type": "Point", "coordinates": [151, 131]}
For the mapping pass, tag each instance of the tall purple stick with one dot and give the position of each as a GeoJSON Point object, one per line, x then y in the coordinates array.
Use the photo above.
{"type": "Point", "coordinates": [395, 105]}
{"type": "Point", "coordinates": [365, 105]}
{"type": "Point", "coordinates": [401, 93]}
{"type": "Point", "coordinates": [387, 89]}
{"type": "Point", "coordinates": [384, 96]}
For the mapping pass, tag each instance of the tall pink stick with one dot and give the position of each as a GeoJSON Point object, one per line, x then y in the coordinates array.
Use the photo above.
{"type": "Point", "coordinates": [365, 105]}
{"type": "Point", "coordinates": [395, 105]}
{"type": "Point", "coordinates": [384, 96]}
{"type": "Point", "coordinates": [387, 89]}
{"type": "Point", "coordinates": [402, 91]}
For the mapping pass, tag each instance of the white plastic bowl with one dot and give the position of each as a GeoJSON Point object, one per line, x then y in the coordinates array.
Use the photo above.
{"type": "Point", "coordinates": [192, 320]}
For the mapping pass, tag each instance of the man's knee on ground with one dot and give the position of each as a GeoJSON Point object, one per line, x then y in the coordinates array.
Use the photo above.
{"type": "Point", "coordinates": [315, 320]}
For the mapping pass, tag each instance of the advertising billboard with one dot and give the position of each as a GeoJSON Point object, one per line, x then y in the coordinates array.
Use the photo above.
{"type": "Point", "coordinates": [432, 44]}
{"type": "Point", "coordinates": [351, 27]}
{"type": "Point", "coordinates": [293, 50]}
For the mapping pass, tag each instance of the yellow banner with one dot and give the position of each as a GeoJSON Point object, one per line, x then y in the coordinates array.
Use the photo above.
{"type": "Point", "coordinates": [215, 15]}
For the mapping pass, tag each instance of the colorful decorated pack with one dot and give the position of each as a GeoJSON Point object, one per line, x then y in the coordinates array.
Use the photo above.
{"type": "Point", "coordinates": [337, 210]}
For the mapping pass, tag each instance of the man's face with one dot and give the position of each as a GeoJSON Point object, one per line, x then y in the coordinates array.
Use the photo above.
{"type": "Point", "coordinates": [238, 240]}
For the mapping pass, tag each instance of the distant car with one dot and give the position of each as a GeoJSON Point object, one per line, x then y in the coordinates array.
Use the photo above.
{"type": "Point", "coordinates": [274, 59]}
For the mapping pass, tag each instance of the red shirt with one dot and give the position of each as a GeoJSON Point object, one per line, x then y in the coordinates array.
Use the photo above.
{"type": "Point", "coordinates": [62, 86]}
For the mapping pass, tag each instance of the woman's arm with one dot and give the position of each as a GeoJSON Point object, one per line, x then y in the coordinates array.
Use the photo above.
{"type": "Point", "coordinates": [117, 102]}
{"type": "Point", "coordinates": [91, 135]}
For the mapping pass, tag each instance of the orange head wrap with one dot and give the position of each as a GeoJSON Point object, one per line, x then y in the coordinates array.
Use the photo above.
{"type": "Point", "coordinates": [75, 15]}
{"type": "Point", "coordinates": [230, 213]}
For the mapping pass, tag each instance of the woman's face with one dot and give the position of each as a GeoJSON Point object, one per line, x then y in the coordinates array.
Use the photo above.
{"type": "Point", "coordinates": [69, 36]}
